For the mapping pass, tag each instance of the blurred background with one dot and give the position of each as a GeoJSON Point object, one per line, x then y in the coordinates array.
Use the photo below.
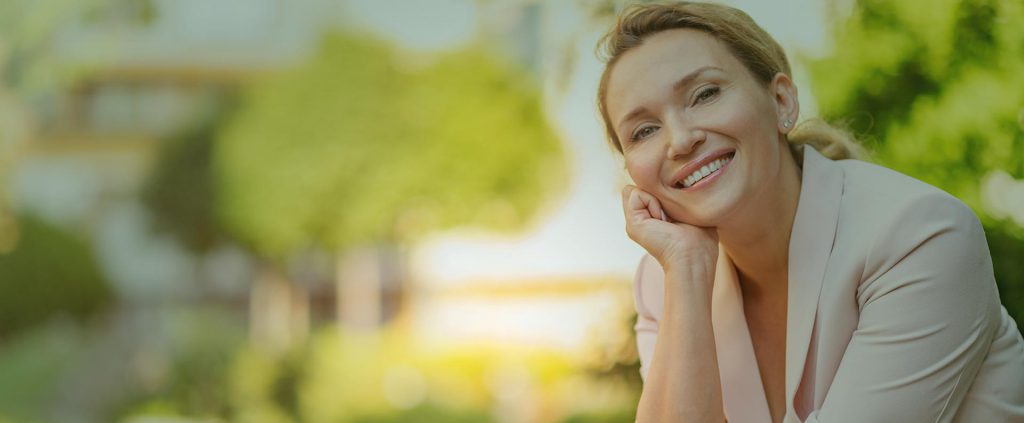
{"type": "Point", "coordinates": [397, 211]}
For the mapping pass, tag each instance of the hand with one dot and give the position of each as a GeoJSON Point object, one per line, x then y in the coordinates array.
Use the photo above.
{"type": "Point", "coordinates": [672, 243]}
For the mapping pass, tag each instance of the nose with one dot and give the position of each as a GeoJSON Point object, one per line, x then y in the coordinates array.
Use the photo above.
{"type": "Point", "coordinates": [684, 141]}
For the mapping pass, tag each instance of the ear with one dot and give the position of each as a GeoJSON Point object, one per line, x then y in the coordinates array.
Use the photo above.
{"type": "Point", "coordinates": [787, 104]}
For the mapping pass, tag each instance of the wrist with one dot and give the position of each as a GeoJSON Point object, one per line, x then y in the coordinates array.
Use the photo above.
{"type": "Point", "coordinates": [692, 281]}
{"type": "Point", "coordinates": [690, 265]}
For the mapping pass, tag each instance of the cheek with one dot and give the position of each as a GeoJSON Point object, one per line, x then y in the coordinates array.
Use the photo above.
{"type": "Point", "coordinates": [741, 113]}
{"type": "Point", "coordinates": [643, 168]}
{"type": "Point", "coordinates": [737, 119]}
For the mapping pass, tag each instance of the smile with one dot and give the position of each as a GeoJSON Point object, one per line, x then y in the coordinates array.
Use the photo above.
{"type": "Point", "coordinates": [705, 173]}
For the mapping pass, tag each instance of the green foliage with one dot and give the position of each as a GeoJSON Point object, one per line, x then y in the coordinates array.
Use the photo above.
{"type": "Point", "coordinates": [32, 365]}
{"type": "Point", "coordinates": [202, 345]}
{"type": "Point", "coordinates": [452, 383]}
{"type": "Point", "coordinates": [50, 272]}
{"type": "Point", "coordinates": [28, 63]}
{"type": "Point", "coordinates": [624, 415]}
{"type": "Point", "coordinates": [936, 89]}
{"type": "Point", "coordinates": [180, 190]}
{"type": "Point", "coordinates": [385, 376]}
{"type": "Point", "coordinates": [1007, 251]}
{"type": "Point", "coordinates": [429, 413]}
{"type": "Point", "coordinates": [356, 147]}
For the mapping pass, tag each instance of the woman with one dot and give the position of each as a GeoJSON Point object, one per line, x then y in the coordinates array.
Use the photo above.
{"type": "Point", "coordinates": [785, 282]}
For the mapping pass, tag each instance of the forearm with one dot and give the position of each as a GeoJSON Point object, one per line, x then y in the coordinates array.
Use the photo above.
{"type": "Point", "coordinates": [683, 382]}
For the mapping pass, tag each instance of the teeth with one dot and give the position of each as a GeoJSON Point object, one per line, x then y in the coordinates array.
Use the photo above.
{"type": "Point", "coordinates": [704, 171]}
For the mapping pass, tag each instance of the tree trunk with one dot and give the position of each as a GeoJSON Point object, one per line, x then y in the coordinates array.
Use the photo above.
{"type": "Point", "coordinates": [370, 286]}
{"type": "Point", "coordinates": [279, 311]}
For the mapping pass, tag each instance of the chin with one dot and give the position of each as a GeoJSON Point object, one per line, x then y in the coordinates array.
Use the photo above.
{"type": "Point", "coordinates": [704, 221]}
{"type": "Point", "coordinates": [708, 216]}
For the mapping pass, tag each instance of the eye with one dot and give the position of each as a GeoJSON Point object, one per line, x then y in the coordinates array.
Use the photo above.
{"type": "Point", "coordinates": [643, 132]}
{"type": "Point", "coordinates": [706, 94]}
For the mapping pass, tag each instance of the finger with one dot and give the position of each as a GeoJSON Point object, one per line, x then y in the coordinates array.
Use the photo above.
{"type": "Point", "coordinates": [651, 204]}
{"type": "Point", "coordinates": [631, 200]}
{"type": "Point", "coordinates": [654, 208]}
{"type": "Point", "coordinates": [634, 205]}
{"type": "Point", "coordinates": [626, 192]}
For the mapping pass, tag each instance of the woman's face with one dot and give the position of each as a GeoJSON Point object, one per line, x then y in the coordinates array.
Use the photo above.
{"type": "Point", "coordinates": [681, 102]}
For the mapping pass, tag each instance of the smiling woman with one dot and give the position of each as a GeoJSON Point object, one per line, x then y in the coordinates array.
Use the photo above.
{"type": "Point", "coordinates": [786, 283]}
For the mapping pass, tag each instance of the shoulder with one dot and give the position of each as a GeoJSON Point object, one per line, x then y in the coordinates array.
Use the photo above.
{"type": "Point", "coordinates": [869, 200]}
{"type": "Point", "coordinates": [871, 183]}
{"type": "Point", "coordinates": [888, 204]}
{"type": "Point", "coordinates": [903, 225]}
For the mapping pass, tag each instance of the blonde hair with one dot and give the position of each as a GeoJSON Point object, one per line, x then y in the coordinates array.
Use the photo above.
{"type": "Point", "coordinates": [747, 41]}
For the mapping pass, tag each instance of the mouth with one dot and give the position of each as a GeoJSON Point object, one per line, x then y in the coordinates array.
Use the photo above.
{"type": "Point", "coordinates": [706, 173]}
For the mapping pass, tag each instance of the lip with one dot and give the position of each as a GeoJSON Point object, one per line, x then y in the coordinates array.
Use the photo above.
{"type": "Point", "coordinates": [696, 164]}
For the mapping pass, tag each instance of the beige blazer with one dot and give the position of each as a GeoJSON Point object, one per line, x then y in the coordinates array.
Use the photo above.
{"type": "Point", "coordinates": [893, 310]}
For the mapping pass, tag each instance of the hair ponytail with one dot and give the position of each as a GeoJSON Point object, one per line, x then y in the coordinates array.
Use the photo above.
{"type": "Point", "coordinates": [829, 140]}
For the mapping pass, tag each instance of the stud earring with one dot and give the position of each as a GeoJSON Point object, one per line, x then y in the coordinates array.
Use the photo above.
{"type": "Point", "coordinates": [787, 123]}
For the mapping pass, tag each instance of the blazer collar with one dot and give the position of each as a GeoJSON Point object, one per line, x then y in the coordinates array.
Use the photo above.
{"type": "Point", "coordinates": [810, 246]}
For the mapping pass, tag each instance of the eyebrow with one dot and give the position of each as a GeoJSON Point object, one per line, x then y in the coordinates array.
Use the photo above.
{"type": "Point", "coordinates": [677, 86]}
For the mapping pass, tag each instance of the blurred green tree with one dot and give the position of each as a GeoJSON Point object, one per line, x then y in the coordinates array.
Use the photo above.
{"type": "Point", "coordinates": [936, 90]}
{"type": "Point", "coordinates": [179, 190]}
{"type": "Point", "coordinates": [50, 273]}
{"type": "Point", "coordinates": [363, 146]}
{"type": "Point", "coordinates": [358, 147]}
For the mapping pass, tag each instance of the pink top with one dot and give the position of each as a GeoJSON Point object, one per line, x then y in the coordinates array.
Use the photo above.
{"type": "Point", "coordinates": [893, 309]}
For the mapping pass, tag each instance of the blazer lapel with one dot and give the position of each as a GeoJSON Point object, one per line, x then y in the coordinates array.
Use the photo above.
{"type": "Point", "coordinates": [743, 395]}
{"type": "Point", "coordinates": [810, 245]}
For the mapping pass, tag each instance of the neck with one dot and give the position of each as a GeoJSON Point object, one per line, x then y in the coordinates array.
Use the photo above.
{"type": "Point", "coordinates": [757, 237]}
